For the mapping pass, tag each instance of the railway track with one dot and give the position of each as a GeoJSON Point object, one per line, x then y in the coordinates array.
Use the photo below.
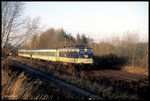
{"type": "Point", "coordinates": [120, 79]}
{"type": "Point", "coordinates": [72, 90]}
{"type": "Point", "coordinates": [119, 75]}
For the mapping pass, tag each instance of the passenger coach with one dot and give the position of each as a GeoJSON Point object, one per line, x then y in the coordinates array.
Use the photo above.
{"type": "Point", "coordinates": [47, 54]}
{"type": "Point", "coordinates": [75, 55]}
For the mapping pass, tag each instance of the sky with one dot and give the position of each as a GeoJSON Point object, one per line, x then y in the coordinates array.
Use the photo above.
{"type": "Point", "coordinates": [97, 20]}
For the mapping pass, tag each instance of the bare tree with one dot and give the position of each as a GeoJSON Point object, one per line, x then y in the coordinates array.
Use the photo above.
{"type": "Point", "coordinates": [129, 44]}
{"type": "Point", "coordinates": [34, 41]}
{"type": "Point", "coordinates": [78, 40]}
{"type": "Point", "coordinates": [116, 41]}
{"type": "Point", "coordinates": [16, 28]}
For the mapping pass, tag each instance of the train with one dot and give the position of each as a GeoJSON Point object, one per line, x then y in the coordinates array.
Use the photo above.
{"type": "Point", "coordinates": [77, 56]}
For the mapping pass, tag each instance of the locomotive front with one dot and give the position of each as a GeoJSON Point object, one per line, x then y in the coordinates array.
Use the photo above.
{"type": "Point", "coordinates": [84, 56]}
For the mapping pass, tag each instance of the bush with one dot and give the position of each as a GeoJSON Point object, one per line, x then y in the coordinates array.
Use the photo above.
{"type": "Point", "coordinates": [110, 61]}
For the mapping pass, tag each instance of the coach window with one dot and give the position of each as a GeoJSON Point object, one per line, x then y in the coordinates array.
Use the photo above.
{"type": "Point", "coordinates": [71, 55]}
{"type": "Point", "coordinates": [76, 54]}
{"type": "Point", "coordinates": [60, 54]}
{"type": "Point", "coordinates": [63, 54]}
{"type": "Point", "coordinates": [67, 54]}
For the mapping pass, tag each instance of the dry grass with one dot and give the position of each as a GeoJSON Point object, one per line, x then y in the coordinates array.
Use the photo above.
{"type": "Point", "coordinates": [16, 85]}
{"type": "Point", "coordinates": [138, 70]}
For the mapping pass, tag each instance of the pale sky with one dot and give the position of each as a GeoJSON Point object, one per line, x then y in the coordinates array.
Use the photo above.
{"type": "Point", "coordinates": [98, 20]}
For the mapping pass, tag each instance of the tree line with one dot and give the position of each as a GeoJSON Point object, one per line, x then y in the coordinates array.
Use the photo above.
{"type": "Point", "coordinates": [135, 52]}
{"type": "Point", "coordinates": [52, 38]}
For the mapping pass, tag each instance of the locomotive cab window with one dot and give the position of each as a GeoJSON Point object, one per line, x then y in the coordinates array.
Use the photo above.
{"type": "Point", "coordinates": [89, 52]}
{"type": "Point", "coordinates": [85, 54]}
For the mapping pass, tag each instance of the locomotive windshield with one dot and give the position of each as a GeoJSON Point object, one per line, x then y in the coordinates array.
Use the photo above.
{"type": "Point", "coordinates": [85, 54]}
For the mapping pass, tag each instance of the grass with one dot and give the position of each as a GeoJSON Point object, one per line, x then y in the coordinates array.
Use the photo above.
{"type": "Point", "coordinates": [106, 91]}
{"type": "Point", "coordinates": [138, 70]}
{"type": "Point", "coordinates": [13, 87]}
{"type": "Point", "coordinates": [17, 85]}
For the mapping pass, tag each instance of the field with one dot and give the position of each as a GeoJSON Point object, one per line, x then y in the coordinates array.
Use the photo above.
{"type": "Point", "coordinates": [94, 81]}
